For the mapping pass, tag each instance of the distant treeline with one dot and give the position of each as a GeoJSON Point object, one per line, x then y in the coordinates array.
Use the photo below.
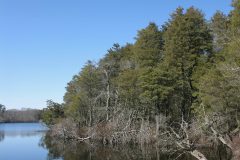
{"type": "Point", "coordinates": [24, 115]}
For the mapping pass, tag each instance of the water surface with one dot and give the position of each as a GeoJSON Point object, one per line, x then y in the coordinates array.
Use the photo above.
{"type": "Point", "coordinates": [20, 141]}
{"type": "Point", "coordinates": [30, 141]}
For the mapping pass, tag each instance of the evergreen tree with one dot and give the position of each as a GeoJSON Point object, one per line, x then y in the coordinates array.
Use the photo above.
{"type": "Point", "coordinates": [53, 113]}
{"type": "Point", "coordinates": [187, 38]}
{"type": "Point", "coordinates": [110, 69]}
{"type": "Point", "coordinates": [148, 46]}
{"type": "Point", "coordinates": [220, 30]}
{"type": "Point", "coordinates": [83, 93]}
{"type": "Point", "coordinates": [219, 88]}
{"type": "Point", "coordinates": [235, 17]}
{"type": "Point", "coordinates": [148, 51]}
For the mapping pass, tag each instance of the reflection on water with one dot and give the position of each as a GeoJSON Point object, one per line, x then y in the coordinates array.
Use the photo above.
{"type": "Point", "coordinates": [29, 141]}
{"type": "Point", "coordinates": [84, 151]}
{"type": "Point", "coordinates": [2, 135]}
{"type": "Point", "coordinates": [21, 129]}
{"type": "Point", "coordinates": [20, 134]}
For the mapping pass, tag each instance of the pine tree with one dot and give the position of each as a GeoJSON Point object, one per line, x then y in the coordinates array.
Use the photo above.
{"type": "Point", "coordinates": [220, 30]}
{"type": "Point", "coordinates": [148, 46]}
{"type": "Point", "coordinates": [83, 93]}
{"type": "Point", "coordinates": [148, 51]}
{"type": "Point", "coordinates": [187, 38]}
{"type": "Point", "coordinates": [219, 87]}
{"type": "Point", "coordinates": [235, 17]}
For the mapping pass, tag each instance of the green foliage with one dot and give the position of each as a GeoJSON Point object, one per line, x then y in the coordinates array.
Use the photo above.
{"type": "Point", "coordinates": [2, 108]}
{"type": "Point", "coordinates": [148, 46]}
{"type": "Point", "coordinates": [83, 94]}
{"type": "Point", "coordinates": [128, 89]}
{"type": "Point", "coordinates": [187, 38]}
{"type": "Point", "coordinates": [219, 87]}
{"type": "Point", "coordinates": [148, 51]}
{"type": "Point", "coordinates": [110, 62]}
{"type": "Point", "coordinates": [235, 17]}
{"type": "Point", "coordinates": [53, 113]}
{"type": "Point", "coordinates": [172, 71]}
{"type": "Point", "coordinates": [220, 30]}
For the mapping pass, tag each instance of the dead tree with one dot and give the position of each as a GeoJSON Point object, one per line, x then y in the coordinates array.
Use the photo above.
{"type": "Point", "coordinates": [107, 94]}
{"type": "Point", "coordinates": [181, 137]}
{"type": "Point", "coordinates": [229, 139]}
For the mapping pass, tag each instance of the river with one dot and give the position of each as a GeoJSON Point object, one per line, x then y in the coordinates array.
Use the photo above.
{"type": "Point", "coordinates": [29, 141]}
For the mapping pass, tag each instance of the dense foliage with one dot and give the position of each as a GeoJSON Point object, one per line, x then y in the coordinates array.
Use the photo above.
{"type": "Point", "coordinates": [187, 69]}
{"type": "Point", "coordinates": [169, 71]}
{"type": "Point", "coordinates": [52, 113]}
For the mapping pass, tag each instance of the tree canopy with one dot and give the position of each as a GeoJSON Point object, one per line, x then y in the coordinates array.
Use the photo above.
{"type": "Point", "coordinates": [187, 69]}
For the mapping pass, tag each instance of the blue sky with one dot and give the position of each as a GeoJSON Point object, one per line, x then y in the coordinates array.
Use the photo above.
{"type": "Point", "coordinates": [43, 43]}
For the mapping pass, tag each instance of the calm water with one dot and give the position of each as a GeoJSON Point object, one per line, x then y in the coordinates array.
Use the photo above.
{"type": "Point", "coordinates": [20, 141]}
{"type": "Point", "coordinates": [29, 141]}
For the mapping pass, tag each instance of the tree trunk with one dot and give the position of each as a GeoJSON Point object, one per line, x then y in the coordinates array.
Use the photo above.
{"type": "Point", "coordinates": [157, 125]}
{"type": "Point", "coordinates": [108, 95]}
{"type": "Point", "coordinates": [108, 102]}
{"type": "Point", "coordinates": [90, 117]}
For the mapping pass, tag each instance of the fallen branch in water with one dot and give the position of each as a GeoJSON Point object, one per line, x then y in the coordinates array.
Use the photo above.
{"type": "Point", "coordinates": [83, 139]}
{"type": "Point", "coordinates": [183, 141]}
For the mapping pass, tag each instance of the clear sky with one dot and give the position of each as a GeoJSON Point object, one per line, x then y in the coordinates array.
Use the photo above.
{"type": "Point", "coordinates": [43, 43]}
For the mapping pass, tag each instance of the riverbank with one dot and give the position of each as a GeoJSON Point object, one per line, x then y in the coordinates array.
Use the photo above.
{"type": "Point", "coordinates": [186, 140]}
{"type": "Point", "coordinates": [157, 149]}
{"type": "Point", "coordinates": [39, 121]}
